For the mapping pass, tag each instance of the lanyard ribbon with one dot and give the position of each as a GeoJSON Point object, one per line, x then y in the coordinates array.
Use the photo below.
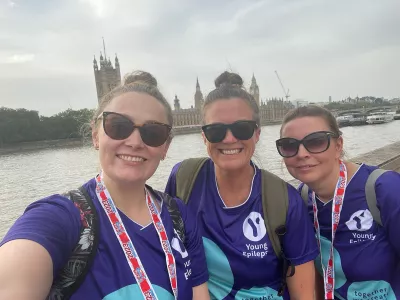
{"type": "Point", "coordinates": [337, 204]}
{"type": "Point", "coordinates": [129, 250]}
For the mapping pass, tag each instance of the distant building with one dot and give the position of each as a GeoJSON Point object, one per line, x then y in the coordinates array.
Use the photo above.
{"type": "Point", "coordinates": [107, 77]}
{"type": "Point", "coordinates": [254, 90]}
{"type": "Point", "coordinates": [300, 103]}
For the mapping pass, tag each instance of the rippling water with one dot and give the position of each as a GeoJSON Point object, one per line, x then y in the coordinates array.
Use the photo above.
{"type": "Point", "coordinates": [28, 176]}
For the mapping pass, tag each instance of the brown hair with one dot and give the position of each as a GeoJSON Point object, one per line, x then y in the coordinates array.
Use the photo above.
{"type": "Point", "coordinates": [137, 81]}
{"type": "Point", "coordinates": [230, 85]}
{"type": "Point", "coordinates": [312, 111]}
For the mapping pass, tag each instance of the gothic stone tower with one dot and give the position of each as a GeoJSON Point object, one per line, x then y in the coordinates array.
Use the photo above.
{"type": "Point", "coordinates": [177, 105]}
{"type": "Point", "coordinates": [254, 90]}
{"type": "Point", "coordinates": [198, 96]}
{"type": "Point", "coordinates": [107, 77]}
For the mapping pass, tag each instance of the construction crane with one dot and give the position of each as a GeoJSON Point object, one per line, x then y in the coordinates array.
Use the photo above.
{"type": "Point", "coordinates": [283, 88]}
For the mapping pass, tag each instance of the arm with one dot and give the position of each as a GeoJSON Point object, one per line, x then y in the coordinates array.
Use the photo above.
{"type": "Point", "coordinates": [26, 271]}
{"type": "Point", "coordinates": [200, 292]}
{"type": "Point", "coordinates": [36, 247]}
{"type": "Point", "coordinates": [300, 247]}
{"type": "Point", "coordinates": [387, 190]}
{"type": "Point", "coordinates": [301, 285]}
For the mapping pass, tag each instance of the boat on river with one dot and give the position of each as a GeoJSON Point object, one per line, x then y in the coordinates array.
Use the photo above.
{"type": "Point", "coordinates": [380, 117]}
{"type": "Point", "coordinates": [352, 119]}
{"type": "Point", "coordinates": [397, 115]}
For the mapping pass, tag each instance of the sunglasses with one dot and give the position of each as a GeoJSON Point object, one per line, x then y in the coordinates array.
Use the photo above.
{"type": "Point", "coordinates": [316, 142]}
{"type": "Point", "coordinates": [242, 130]}
{"type": "Point", "coordinates": [119, 127]}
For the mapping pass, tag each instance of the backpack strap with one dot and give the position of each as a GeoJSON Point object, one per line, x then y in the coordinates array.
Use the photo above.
{"type": "Point", "coordinates": [74, 272]}
{"type": "Point", "coordinates": [186, 176]}
{"type": "Point", "coordinates": [304, 193]}
{"type": "Point", "coordinates": [370, 194]}
{"type": "Point", "coordinates": [174, 212]}
{"type": "Point", "coordinates": [275, 201]}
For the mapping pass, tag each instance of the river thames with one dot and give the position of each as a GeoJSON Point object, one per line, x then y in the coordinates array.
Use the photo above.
{"type": "Point", "coordinates": [28, 176]}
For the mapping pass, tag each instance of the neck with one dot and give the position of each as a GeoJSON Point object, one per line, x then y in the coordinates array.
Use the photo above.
{"type": "Point", "coordinates": [128, 197]}
{"type": "Point", "coordinates": [325, 189]}
{"type": "Point", "coordinates": [234, 186]}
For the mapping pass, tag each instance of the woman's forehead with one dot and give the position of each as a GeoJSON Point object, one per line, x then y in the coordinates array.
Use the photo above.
{"type": "Point", "coordinates": [301, 127]}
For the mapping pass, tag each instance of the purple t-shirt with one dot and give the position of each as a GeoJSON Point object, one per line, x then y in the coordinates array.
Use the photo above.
{"type": "Point", "coordinates": [241, 261]}
{"type": "Point", "coordinates": [54, 223]}
{"type": "Point", "coordinates": [366, 255]}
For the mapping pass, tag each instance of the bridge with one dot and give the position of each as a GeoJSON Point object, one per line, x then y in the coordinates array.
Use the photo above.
{"type": "Point", "coordinates": [364, 110]}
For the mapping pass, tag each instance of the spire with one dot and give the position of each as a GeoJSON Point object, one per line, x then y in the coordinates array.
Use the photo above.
{"type": "Point", "coordinates": [104, 47]}
{"type": "Point", "coordinates": [101, 56]}
{"type": "Point", "coordinates": [116, 61]}
{"type": "Point", "coordinates": [95, 67]}
{"type": "Point", "coordinates": [197, 84]}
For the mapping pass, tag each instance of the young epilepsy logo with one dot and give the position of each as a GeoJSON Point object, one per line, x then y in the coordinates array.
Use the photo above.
{"type": "Point", "coordinates": [254, 227]}
{"type": "Point", "coordinates": [254, 230]}
{"type": "Point", "coordinates": [177, 245]}
{"type": "Point", "coordinates": [361, 220]}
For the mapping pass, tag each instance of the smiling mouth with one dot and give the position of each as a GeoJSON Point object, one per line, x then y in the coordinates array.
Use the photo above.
{"type": "Point", "coordinates": [306, 167]}
{"type": "Point", "coordinates": [230, 151]}
{"type": "Point", "coordinates": [131, 158]}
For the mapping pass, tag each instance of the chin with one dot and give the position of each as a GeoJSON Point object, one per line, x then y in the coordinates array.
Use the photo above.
{"type": "Point", "coordinates": [231, 164]}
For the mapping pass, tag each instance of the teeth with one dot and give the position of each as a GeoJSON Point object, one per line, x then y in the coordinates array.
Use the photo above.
{"type": "Point", "coordinates": [230, 152]}
{"type": "Point", "coordinates": [131, 158]}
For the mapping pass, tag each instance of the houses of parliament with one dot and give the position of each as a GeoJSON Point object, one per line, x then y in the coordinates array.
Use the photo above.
{"type": "Point", "coordinates": [108, 76]}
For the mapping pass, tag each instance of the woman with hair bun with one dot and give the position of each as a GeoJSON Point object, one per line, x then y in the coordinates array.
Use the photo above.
{"type": "Point", "coordinates": [115, 238]}
{"type": "Point", "coordinates": [234, 200]}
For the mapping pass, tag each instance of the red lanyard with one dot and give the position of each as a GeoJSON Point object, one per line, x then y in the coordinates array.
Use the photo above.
{"type": "Point", "coordinates": [129, 250]}
{"type": "Point", "coordinates": [337, 203]}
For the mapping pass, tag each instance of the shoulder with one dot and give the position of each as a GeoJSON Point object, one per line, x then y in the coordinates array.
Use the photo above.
{"type": "Point", "coordinates": [387, 179]}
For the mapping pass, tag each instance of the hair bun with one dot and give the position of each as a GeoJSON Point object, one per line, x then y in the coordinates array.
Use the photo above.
{"type": "Point", "coordinates": [140, 77]}
{"type": "Point", "coordinates": [228, 78]}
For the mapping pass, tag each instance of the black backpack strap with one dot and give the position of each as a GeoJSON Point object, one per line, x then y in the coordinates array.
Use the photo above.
{"type": "Point", "coordinates": [74, 272]}
{"type": "Point", "coordinates": [174, 212]}
{"type": "Point", "coordinates": [186, 176]}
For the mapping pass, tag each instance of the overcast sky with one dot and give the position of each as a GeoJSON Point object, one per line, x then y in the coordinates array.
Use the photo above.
{"type": "Point", "coordinates": [319, 48]}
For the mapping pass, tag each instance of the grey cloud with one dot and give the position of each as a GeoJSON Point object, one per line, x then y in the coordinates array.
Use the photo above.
{"type": "Point", "coordinates": [336, 48]}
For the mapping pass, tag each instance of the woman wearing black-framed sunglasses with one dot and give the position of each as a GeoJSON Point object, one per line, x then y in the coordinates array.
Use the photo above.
{"type": "Point", "coordinates": [355, 208]}
{"type": "Point", "coordinates": [233, 199]}
{"type": "Point", "coordinates": [114, 237]}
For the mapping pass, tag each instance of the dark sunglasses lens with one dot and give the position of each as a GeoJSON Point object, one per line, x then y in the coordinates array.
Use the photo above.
{"type": "Point", "coordinates": [243, 130]}
{"type": "Point", "coordinates": [117, 127]}
{"type": "Point", "coordinates": [154, 135]}
{"type": "Point", "coordinates": [288, 147]}
{"type": "Point", "coordinates": [317, 142]}
{"type": "Point", "coordinates": [215, 133]}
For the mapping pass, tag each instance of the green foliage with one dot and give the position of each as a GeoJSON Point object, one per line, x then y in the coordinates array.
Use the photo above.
{"type": "Point", "coordinates": [21, 125]}
{"type": "Point", "coordinates": [364, 102]}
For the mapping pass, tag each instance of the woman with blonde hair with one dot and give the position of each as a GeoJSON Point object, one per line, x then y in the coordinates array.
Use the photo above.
{"type": "Point", "coordinates": [118, 238]}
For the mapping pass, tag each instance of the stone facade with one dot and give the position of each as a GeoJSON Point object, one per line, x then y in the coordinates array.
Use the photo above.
{"type": "Point", "coordinates": [107, 77]}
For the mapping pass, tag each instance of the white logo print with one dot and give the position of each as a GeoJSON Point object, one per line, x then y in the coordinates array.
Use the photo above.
{"type": "Point", "coordinates": [177, 246]}
{"type": "Point", "coordinates": [254, 227]}
{"type": "Point", "coordinates": [360, 221]}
